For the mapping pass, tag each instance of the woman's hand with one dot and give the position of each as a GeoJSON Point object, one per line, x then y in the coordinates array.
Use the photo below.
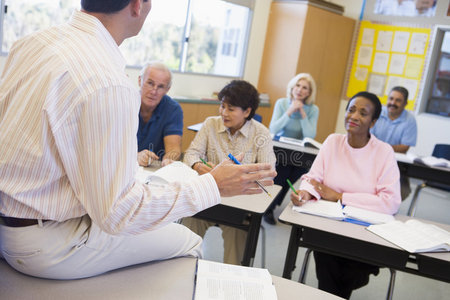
{"type": "Point", "coordinates": [325, 192]}
{"type": "Point", "coordinates": [296, 105]}
{"type": "Point", "coordinates": [201, 168]}
{"type": "Point", "coordinates": [300, 199]}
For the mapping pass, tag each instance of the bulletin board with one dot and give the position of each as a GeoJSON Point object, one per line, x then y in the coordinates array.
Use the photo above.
{"type": "Point", "coordinates": [386, 56]}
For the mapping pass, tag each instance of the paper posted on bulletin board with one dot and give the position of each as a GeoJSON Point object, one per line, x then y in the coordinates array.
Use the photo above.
{"type": "Point", "coordinates": [388, 56]}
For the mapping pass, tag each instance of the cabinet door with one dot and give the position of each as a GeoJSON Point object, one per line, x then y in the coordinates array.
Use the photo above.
{"type": "Point", "coordinates": [325, 50]}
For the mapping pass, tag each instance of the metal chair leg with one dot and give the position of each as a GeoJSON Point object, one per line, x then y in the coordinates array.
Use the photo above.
{"type": "Point", "coordinates": [263, 247]}
{"type": "Point", "coordinates": [412, 206]}
{"type": "Point", "coordinates": [304, 268]}
{"type": "Point", "coordinates": [391, 285]}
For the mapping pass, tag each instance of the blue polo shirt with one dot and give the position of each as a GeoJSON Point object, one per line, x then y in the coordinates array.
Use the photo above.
{"type": "Point", "coordinates": [167, 119]}
{"type": "Point", "coordinates": [401, 131]}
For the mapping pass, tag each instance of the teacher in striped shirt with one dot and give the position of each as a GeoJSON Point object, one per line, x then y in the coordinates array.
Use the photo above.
{"type": "Point", "coordinates": [70, 206]}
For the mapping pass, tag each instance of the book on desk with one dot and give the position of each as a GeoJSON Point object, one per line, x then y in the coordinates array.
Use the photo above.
{"type": "Point", "coordinates": [223, 281]}
{"type": "Point", "coordinates": [414, 236]}
{"type": "Point", "coordinates": [306, 142]}
{"type": "Point", "coordinates": [335, 211]}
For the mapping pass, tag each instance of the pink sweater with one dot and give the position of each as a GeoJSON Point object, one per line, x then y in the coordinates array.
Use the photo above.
{"type": "Point", "coordinates": [368, 177]}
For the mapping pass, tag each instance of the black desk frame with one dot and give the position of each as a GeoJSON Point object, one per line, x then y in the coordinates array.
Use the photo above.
{"type": "Point", "coordinates": [351, 248]}
{"type": "Point", "coordinates": [240, 219]}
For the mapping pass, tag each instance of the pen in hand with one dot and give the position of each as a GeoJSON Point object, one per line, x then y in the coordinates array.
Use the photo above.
{"type": "Point", "coordinates": [230, 156]}
{"type": "Point", "coordinates": [203, 161]}
{"type": "Point", "coordinates": [293, 189]}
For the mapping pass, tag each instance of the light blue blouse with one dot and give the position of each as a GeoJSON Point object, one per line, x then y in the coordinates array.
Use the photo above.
{"type": "Point", "coordinates": [294, 126]}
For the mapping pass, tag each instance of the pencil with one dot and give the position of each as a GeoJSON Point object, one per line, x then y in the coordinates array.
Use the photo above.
{"type": "Point", "coordinates": [203, 161]}
{"type": "Point", "coordinates": [257, 182]}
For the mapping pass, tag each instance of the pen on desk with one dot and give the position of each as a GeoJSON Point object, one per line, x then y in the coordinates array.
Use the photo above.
{"type": "Point", "coordinates": [293, 189]}
{"type": "Point", "coordinates": [203, 161]}
{"type": "Point", "coordinates": [230, 156]}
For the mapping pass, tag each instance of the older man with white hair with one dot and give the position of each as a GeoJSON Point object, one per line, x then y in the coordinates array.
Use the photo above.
{"type": "Point", "coordinates": [160, 117]}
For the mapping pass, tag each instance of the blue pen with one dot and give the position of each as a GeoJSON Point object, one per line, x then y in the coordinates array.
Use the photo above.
{"type": "Point", "coordinates": [357, 222]}
{"type": "Point", "coordinates": [230, 156]}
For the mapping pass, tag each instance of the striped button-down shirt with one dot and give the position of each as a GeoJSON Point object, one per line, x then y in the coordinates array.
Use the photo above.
{"type": "Point", "coordinates": [68, 123]}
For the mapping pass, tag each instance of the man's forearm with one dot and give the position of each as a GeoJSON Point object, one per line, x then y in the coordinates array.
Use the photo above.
{"type": "Point", "coordinates": [400, 148]}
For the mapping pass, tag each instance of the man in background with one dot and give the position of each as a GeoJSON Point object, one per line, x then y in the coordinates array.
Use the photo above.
{"type": "Point", "coordinates": [70, 206]}
{"type": "Point", "coordinates": [160, 117]}
{"type": "Point", "coordinates": [397, 127]}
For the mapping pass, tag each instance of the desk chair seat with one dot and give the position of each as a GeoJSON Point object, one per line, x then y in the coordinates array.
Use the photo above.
{"type": "Point", "coordinates": [440, 151]}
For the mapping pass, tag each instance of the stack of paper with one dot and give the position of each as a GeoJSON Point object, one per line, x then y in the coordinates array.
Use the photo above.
{"type": "Point", "coordinates": [365, 215]}
{"type": "Point", "coordinates": [174, 172]}
{"type": "Point", "coordinates": [322, 208]}
{"type": "Point", "coordinates": [229, 282]}
{"type": "Point", "coordinates": [414, 236]}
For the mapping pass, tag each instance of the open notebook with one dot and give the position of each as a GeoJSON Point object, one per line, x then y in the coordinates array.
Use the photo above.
{"type": "Point", "coordinates": [334, 210]}
{"type": "Point", "coordinates": [306, 142]}
{"type": "Point", "coordinates": [229, 282]}
{"type": "Point", "coordinates": [174, 172]}
{"type": "Point", "coordinates": [433, 161]}
{"type": "Point", "coordinates": [414, 236]}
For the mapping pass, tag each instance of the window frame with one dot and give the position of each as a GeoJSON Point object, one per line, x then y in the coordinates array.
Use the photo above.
{"type": "Point", "coordinates": [184, 39]}
{"type": "Point", "coordinates": [430, 73]}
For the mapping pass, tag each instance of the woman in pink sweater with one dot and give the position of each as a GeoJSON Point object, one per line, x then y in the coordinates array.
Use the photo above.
{"type": "Point", "coordinates": [359, 170]}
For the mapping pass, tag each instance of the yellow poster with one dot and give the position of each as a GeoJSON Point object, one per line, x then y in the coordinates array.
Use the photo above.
{"type": "Point", "coordinates": [386, 56]}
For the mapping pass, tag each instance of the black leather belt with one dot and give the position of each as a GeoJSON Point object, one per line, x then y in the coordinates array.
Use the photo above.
{"type": "Point", "coordinates": [17, 222]}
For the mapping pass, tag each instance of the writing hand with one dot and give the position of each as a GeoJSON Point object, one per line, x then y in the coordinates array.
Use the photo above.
{"type": "Point", "coordinates": [300, 198]}
{"type": "Point", "coordinates": [202, 168]}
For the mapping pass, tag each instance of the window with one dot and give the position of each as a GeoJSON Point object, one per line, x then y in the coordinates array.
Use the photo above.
{"type": "Point", "coordinates": [22, 17]}
{"type": "Point", "coordinates": [439, 88]}
{"type": "Point", "coordinates": [198, 36]}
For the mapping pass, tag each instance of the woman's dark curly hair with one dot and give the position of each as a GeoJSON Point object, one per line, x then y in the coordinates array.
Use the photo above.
{"type": "Point", "coordinates": [242, 94]}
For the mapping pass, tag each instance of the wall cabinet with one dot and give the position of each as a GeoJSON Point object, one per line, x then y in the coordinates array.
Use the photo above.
{"type": "Point", "coordinates": [304, 38]}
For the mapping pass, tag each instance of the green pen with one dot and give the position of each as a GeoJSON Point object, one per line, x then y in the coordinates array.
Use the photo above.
{"type": "Point", "coordinates": [293, 189]}
{"type": "Point", "coordinates": [203, 161]}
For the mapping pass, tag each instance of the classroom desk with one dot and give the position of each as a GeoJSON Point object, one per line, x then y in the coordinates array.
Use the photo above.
{"type": "Point", "coordinates": [233, 210]}
{"type": "Point", "coordinates": [304, 156]}
{"type": "Point", "coordinates": [355, 242]}
{"type": "Point", "coordinates": [167, 280]}
{"type": "Point", "coordinates": [195, 127]}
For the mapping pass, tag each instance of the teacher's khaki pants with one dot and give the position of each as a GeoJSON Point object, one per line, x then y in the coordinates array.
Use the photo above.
{"type": "Point", "coordinates": [78, 248]}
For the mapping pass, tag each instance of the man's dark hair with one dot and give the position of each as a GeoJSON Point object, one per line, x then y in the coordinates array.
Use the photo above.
{"type": "Point", "coordinates": [372, 98]}
{"type": "Point", "coordinates": [242, 94]}
{"type": "Point", "coordinates": [104, 6]}
{"type": "Point", "coordinates": [402, 91]}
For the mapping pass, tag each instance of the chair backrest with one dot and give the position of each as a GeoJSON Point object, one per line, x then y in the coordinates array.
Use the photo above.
{"type": "Point", "coordinates": [257, 118]}
{"type": "Point", "coordinates": [441, 151]}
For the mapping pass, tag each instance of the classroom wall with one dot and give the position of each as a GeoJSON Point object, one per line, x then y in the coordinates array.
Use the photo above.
{"type": "Point", "coordinates": [432, 129]}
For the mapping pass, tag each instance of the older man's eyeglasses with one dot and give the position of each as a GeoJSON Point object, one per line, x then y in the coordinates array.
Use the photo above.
{"type": "Point", "coordinates": [159, 88]}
